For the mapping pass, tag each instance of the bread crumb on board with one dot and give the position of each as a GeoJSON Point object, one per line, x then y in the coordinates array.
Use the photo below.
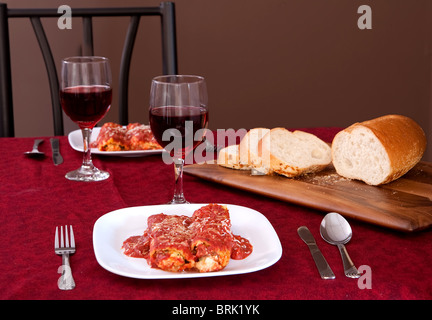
{"type": "Point", "coordinates": [322, 179]}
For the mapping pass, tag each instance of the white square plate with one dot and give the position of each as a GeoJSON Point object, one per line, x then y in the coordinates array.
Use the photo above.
{"type": "Point", "coordinates": [113, 228]}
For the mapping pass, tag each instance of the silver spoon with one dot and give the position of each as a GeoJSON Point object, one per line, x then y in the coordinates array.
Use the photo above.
{"type": "Point", "coordinates": [336, 230]}
{"type": "Point", "coordinates": [35, 151]}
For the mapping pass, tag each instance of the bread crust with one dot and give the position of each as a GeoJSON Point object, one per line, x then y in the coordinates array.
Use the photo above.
{"type": "Point", "coordinates": [402, 138]}
{"type": "Point", "coordinates": [277, 166]}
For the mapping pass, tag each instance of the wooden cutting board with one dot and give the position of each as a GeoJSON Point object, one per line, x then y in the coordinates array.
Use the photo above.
{"type": "Point", "coordinates": [404, 204]}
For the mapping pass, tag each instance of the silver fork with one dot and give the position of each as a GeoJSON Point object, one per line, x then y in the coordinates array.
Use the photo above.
{"type": "Point", "coordinates": [65, 248]}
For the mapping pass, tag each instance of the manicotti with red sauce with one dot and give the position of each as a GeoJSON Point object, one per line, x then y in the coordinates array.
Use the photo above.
{"type": "Point", "coordinates": [203, 242]}
{"type": "Point", "coordinates": [134, 136]}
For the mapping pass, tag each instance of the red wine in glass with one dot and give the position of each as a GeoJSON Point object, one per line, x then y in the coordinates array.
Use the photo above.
{"type": "Point", "coordinates": [85, 96]}
{"type": "Point", "coordinates": [186, 120]}
{"type": "Point", "coordinates": [86, 105]}
{"type": "Point", "coordinates": [178, 116]}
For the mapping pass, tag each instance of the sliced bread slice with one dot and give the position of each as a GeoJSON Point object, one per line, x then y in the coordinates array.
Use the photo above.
{"type": "Point", "coordinates": [229, 157]}
{"type": "Point", "coordinates": [293, 153]}
{"type": "Point", "coordinates": [249, 155]}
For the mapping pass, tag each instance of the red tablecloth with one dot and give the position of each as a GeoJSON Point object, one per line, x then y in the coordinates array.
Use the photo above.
{"type": "Point", "coordinates": [35, 197]}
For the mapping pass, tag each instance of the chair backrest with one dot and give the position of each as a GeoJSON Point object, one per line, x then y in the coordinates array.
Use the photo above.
{"type": "Point", "coordinates": [165, 11]}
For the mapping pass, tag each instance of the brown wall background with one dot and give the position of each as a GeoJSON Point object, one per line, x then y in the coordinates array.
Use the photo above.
{"type": "Point", "coordinates": [290, 63]}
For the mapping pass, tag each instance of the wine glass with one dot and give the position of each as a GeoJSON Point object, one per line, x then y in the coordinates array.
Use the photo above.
{"type": "Point", "coordinates": [85, 95]}
{"type": "Point", "coordinates": [178, 118]}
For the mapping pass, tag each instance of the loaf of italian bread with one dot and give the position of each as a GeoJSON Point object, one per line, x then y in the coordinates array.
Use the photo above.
{"type": "Point", "coordinates": [293, 153]}
{"type": "Point", "coordinates": [380, 150]}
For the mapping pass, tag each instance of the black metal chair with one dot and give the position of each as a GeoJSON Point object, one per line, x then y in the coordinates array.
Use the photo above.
{"type": "Point", "coordinates": [166, 11]}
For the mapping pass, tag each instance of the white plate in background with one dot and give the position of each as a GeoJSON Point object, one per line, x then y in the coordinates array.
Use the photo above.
{"type": "Point", "coordinates": [76, 142]}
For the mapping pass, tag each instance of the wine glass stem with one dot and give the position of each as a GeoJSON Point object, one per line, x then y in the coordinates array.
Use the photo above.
{"type": "Point", "coordinates": [178, 187]}
{"type": "Point", "coordinates": [87, 160]}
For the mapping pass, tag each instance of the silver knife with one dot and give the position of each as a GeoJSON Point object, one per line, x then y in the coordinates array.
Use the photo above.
{"type": "Point", "coordinates": [321, 263]}
{"type": "Point", "coordinates": [57, 158]}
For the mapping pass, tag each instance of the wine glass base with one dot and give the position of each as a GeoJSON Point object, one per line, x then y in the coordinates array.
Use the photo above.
{"type": "Point", "coordinates": [87, 174]}
{"type": "Point", "coordinates": [178, 201]}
